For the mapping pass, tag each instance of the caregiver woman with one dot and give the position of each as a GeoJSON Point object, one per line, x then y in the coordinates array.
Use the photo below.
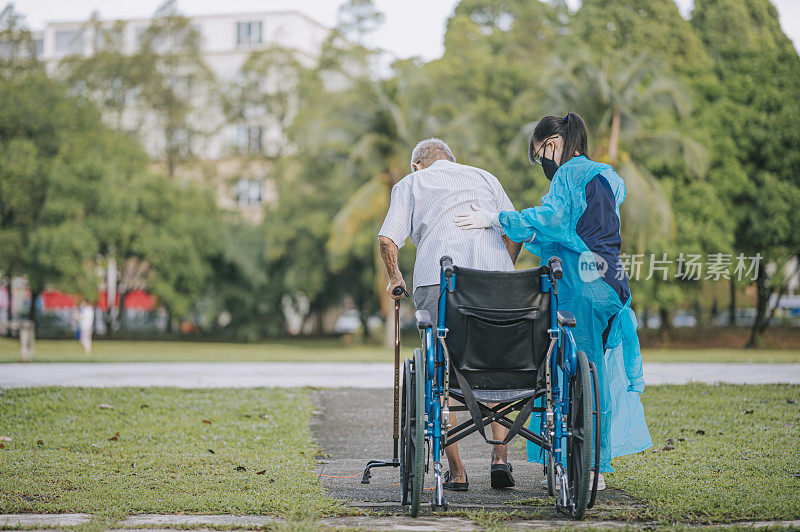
{"type": "Point", "coordinates": [578, 221]}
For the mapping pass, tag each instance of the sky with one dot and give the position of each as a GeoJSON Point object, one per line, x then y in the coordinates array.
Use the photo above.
{"type": "Point", "coordinates": [411, 28]}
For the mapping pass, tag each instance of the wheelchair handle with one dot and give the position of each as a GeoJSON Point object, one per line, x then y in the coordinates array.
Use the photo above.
{"type": "Point", "coordinates": [555, 267]}
{"type": "Point", "coordinates": [447, 265]}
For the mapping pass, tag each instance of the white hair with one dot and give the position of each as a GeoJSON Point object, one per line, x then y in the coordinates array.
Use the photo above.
{"type": "Point", "coordinates": [429, 150]}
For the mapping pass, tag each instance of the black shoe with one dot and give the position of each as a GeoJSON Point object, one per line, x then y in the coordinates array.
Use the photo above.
{"type": "Point", "coordinates": [455, 486]}
{"type": "Point", "coordinates": [501, 476]}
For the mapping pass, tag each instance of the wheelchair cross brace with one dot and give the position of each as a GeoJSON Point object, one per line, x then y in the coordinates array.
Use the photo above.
{"type": "Point", "coordinates": [497, 414]}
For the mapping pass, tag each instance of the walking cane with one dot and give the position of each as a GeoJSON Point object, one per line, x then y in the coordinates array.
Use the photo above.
{"type": "Point", "coordinates": [398, 291]}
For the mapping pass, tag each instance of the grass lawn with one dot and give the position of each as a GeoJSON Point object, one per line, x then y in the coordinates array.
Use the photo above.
{"type": "Point", "coordinates": [736, 454]}
{"type": "Point", "coordinates": [305, 350]}
{"type": "Point", "coordinates": [159, 450]}
{"type": "Point", "coordinates": [721, 453]}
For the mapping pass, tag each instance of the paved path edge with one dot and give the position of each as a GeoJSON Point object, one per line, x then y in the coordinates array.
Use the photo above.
{"type": "Point", "coordinates": [372, 522]}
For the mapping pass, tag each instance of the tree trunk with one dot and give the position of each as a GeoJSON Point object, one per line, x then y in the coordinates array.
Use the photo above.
{"type": "Point", "coordinates": [664, 313]}
{"type": "Point", "coordinates": [10, 310]}
{"type": "Point", "coordinates": [732, 304]}
{"type": "Point", "coordinates": [613, 140]}
{"type": "Point", "coordinates": [363, 317]}
{"type": "Point", "coordinates": [762, 300]}
{"type": "Point", "coordinates": [35, 291]}
{"type": "Point", "coordinates": [121, 313]}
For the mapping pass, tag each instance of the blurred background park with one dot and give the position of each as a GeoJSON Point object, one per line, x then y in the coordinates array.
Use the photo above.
{"type": "Point", "coordinates": [223, 177]}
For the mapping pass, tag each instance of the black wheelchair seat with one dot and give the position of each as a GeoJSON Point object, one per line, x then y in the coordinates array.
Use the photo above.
{"type": "Point", "coordinates": [498, 326]}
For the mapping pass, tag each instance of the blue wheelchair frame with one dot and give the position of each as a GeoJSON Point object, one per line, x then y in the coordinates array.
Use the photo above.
{"type": "Point", "coordinates": [560, 368]}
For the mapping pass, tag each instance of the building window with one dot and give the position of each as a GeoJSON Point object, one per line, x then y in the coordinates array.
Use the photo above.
{"type": "Point", "coordinates": [248, 192]}
{"type": "Point", "coordinates": [249, 138]}
{"type": "Point", "coordinates": [38, 47]}
{"type": "Point", "coordinates": [248, 34]}
{"type": "Point", "coordinates": [69, 42]}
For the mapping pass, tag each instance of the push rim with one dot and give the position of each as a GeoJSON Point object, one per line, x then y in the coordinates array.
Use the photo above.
{"type": "Point", "coordinates": [418, 479]}
{"type": "Point", "coordinates": [406, 446]}
{"type": "Point", "coordinates": [579, 437]}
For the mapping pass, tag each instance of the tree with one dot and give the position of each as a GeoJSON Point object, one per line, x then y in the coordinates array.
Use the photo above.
{"type": "Point", "coordinates": [108, 76]}
{"type": "Point", "coordinates": [358, 18]}
{"type": "Point", "coordinates": [273, 85]}
{"type": "Point", "coordinates": [654, 26]}
{"type": "Point", "coordinates": [58, 163]}
{"type": "Point", "coordinates": [17, 48]}
{"type": "Point", "coordinates": [748, 46]}
{"type": "Point", "coordinates": [175, 84]}
{"type": "Point", "coordinates": [73, 192]}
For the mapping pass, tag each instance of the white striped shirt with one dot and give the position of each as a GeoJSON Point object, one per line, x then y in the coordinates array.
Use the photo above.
{"type": "Point", "coordinates": [423, 206]}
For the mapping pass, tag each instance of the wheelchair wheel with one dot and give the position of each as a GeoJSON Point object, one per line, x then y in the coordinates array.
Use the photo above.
{"type": "Point", "coordinates": [580, 436]}
{"type": "Point", "coordinates": [550, 474]}
{"type": "Point", "coordinates": [416, 452]}
{"type": "Point", "coordinates": [406, 422]}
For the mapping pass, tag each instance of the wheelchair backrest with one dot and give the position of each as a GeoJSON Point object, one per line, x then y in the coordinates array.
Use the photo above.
{"type": "Point", "coordinates": [497, 327]}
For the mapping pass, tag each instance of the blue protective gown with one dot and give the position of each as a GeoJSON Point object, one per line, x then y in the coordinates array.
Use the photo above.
{"type": "Point", "coordinates": [578, 221]}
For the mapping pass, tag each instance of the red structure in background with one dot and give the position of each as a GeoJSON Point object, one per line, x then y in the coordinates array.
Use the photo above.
{"type": "Point", "coordinates": [135, 300]}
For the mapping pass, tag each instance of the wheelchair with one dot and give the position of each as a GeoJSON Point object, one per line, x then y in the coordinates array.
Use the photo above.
{"type": "Point", "coordinates": [501, 340]}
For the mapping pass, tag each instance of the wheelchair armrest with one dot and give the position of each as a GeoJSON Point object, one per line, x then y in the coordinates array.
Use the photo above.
{"type": "Point", "coordinates": [566, 318]}
{"type": "Point", "coordinates": [423, 319]}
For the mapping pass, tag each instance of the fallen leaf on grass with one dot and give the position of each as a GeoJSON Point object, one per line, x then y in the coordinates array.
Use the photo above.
{"type": "Point", "coordinates": [2, 445]}
{"type": "Point", "coordinates": [790, 401]}
{"type": "Point", "coordinates": [39, 442]}
{"type": "Point", "coordinates": [5, 438]}
{"type": "Point", "coordinates": [103, 405]}
{"type": "Point", "coordinates": [207, 421]}
{"type": "Point", "coordinates": [241, 468]}
{"type": "Point", "coordinates": [748, 411]}
{"type": "Point", "coordinates": [264, 416]}
{"type": "Point", "coordinates": [271, 480]}
{"type": "Point", "coordinates": [701, 432]}
{"type": "Point", "coordinates": [211, 451]}
{"type": "Point", "coordinates": [668, 447]}
{"type": "Point", "coordinates": [261, 472]}
{"type": "Point", "coordinates": [115, 437]}
{"type": "Point", "coordinates": [144, 406]}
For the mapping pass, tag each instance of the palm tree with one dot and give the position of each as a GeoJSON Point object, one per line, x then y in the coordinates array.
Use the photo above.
{"type": "Point", "coordinates": [380, 121]}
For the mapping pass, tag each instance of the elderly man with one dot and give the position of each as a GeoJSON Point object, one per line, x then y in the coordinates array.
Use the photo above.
{"type": "Point", "coordinates": [422, 207]}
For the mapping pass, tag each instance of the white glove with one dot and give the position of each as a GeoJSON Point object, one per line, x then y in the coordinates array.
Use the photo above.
{"type": "Point", "coordinates": [478, 219]}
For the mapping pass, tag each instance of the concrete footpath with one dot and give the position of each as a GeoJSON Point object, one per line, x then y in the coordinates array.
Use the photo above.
{"type": "Point", "coordinates": [326, 375]}
{"type": "Point", "coordinates": [372, 522]}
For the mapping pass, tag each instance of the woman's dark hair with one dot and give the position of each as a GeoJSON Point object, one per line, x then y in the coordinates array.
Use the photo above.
{"type": "Point", "coordinates": [571, 128]}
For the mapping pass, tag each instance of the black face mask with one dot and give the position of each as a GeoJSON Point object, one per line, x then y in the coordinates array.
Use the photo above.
{"type": "Point", "coordinates": [549, 166]}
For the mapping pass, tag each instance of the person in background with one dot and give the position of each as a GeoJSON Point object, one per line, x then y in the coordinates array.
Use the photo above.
{"type": "Point", "coordinates": [85, 325]}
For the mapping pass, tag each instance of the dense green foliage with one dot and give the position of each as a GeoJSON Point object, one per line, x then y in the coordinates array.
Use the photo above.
{"type": "Point", "coordinates": [696, 115]}
{"type": "Point", "coordinates": [75, 192]}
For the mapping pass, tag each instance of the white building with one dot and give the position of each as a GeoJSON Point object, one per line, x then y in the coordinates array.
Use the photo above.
{"type": "Point", "coordinates": [229, 151]}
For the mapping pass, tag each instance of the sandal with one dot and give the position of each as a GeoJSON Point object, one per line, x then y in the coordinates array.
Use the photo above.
{"type": "Point", "coordinates": [455, 486]}
{"type": "Point", "coordinates": [501, 476]}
